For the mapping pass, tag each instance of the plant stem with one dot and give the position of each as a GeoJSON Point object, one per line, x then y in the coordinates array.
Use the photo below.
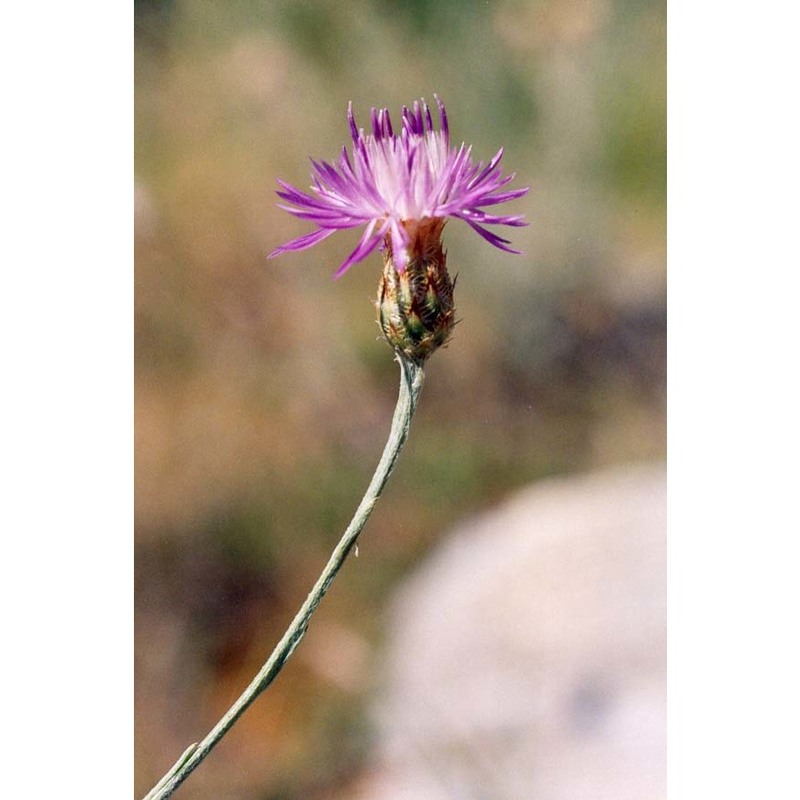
{"type": "Point", "coordinates": [411, 379]}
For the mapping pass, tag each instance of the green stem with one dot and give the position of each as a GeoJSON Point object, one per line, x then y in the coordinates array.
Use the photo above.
{"type": "Point", "coordinates": [411, 380]}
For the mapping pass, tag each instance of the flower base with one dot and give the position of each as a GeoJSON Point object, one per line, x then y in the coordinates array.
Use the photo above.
{"type": "Point", "coordinates": [415, 306]}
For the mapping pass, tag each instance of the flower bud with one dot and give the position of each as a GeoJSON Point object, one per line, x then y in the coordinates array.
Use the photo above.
{"type": "Point", "coordinates": [415, 304]}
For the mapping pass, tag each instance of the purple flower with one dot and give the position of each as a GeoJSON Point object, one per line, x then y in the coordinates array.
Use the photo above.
{"type": "Point", "coordinates": [393, 182]}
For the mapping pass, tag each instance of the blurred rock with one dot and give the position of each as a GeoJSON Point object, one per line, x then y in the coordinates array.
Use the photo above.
{"type": "Point", "coordinates": [527, 657]}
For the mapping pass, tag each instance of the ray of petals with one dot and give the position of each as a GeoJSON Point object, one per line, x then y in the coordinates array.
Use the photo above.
{"type": "Point", "coordinates": [301, 198]}
{"type": "Point", "coordinates": [338, 221]}
{"type": "Point", "coordinates": [428, 117]}
{"type": "Point", "coordinates": [399, 242]}
{"type": "Point", "coordinates": [324, 205]}
{"type": "Point", "coordinates": [351, 121]}
{"type": "Point", "coordinates": [487, 169]}
{"type": "Point", "coordinates": [492, 238]}
{"type": "Point", "coordinates": [490, 219]}
{"type": "Point", "coordinates": [303, 242]}
{"type": "Point", "coordinates": [443, 119]}
{"type": "Point", "coordinates": [368, 242]}
{"type": "Point", "coordinates": [328, 174]}
{"type": "Point", "coordinates": [388, 181]}
{"type": "Point", "coordinates": [493, 199]}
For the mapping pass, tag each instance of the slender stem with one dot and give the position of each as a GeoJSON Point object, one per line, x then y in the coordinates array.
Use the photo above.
{"type": "Point", "coordinates": [411, 380]}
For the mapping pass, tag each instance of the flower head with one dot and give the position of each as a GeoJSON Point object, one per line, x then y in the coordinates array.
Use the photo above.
{"type": "Point", "coordinates": [393, 182]}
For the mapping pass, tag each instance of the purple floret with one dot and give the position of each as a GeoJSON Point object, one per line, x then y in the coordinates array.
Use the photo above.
{"type": "Point", "coordinates": [394, 180]}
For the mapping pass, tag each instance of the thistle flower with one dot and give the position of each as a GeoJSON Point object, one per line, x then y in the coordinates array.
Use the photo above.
{"type": "Point", "coordinates": [403, 188]}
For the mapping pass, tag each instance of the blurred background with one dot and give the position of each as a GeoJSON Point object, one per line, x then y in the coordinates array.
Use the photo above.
{"type": "Point", "coordinates": [264, 395]}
